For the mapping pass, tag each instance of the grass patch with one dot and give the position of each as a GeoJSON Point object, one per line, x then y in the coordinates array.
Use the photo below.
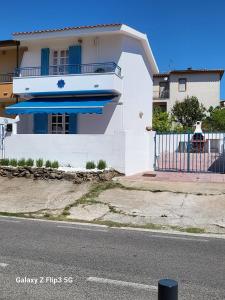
{"type": "Point", "coordinates": [20, 215]}
{"type": "Point", "coordinates": [188, 229]}
{"type": "Point", "coordinates": [65, 213]}
{"type": "Point", "coordinates": [63, 217]}
{"type": "Point", "coordinates": [90, 197]}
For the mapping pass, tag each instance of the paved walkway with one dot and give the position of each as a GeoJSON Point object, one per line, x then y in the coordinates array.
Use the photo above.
{"type": "Point", "coordinates": [179, 177]}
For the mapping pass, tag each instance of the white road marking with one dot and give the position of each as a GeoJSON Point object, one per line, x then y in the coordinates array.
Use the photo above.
{"type": "Point", "coordinates": [178, 238]}
{"type": "Point", "coordinates": [3, 265]}
{"type": "Point", "coordinates": [83, 228]}
{"type": "Point", "coordinates": [11, 221]}
{"type": "Point", "coordinates": [122, 283]}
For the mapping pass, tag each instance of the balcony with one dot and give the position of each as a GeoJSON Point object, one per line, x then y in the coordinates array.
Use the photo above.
{"type": "Point", "coordinates": [96, 78]}
{"type": "Point", "coordinates": [161, 95]}
{"type": "Point", "coordinates": [6, 89]}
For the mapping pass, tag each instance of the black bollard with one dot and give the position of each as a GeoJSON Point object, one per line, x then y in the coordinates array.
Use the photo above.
{"type": "Point", "coordinates": [168, 289]}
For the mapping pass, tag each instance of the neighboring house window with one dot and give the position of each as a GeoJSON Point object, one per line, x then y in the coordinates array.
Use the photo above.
{"type": "Point", "coordinates": [163, 90]}
{"type": "Point", "coordinates": [182, 85]}
{"type": "Point", "coordinates": [60, 61]}
{"type": "Point", "coordinates": [59, 124]}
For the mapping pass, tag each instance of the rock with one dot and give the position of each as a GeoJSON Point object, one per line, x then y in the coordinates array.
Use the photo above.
{"type": "Point", "coordinates": [77, 180]}
{"type": "Point", "coordinates": [69, 176]}
{"type": "Point", "coordinates": [54, 174]}
{"type": "Point", "coordinates": [106, 176]}
{"type": "Point", "coordinates": [16, 174]}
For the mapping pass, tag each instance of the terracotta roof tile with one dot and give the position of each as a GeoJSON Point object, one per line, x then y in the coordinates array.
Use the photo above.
{"type": "Point", "coordinates": [67, 28]}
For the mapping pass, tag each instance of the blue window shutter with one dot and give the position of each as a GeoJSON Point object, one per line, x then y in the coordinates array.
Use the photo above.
{"type": "Point", "coordinates": [75, 59]}
{"type": "Point", "coordinates": [40, 123]}
{"type": "Point", "coordinates": [45, 61]}
{"type": "Point", "coordinates": [73, 123]}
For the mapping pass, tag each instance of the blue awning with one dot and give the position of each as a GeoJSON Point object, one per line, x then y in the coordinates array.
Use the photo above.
{"type": "Point", "coordinates": [87, 105]}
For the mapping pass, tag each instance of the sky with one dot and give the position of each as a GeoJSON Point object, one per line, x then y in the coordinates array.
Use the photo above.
{"type": "Point", "coordinates": [182, 34]}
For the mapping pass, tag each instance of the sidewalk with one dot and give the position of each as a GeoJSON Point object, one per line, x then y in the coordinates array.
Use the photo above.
{"type": "Point", "coordinates": [179, 176]}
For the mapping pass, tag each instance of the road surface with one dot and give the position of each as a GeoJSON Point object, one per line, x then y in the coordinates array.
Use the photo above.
{"type": "Point", "coordinates": [52, 260]}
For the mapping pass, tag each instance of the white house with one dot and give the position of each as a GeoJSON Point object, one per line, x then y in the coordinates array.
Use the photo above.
{"type": "Point", "coordinates": [176, 85]}
{"type": "Point", "coordinates": [87, 96]}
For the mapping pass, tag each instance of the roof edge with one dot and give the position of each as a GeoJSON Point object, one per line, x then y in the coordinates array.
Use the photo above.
{"type": "Point", "coordinates": [191, 71]}
{"type": "Point", "coordinates": [67, 28]}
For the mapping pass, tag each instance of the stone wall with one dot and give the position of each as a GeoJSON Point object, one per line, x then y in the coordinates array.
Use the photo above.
{"type": "Point", "coordinates": [54, 174]}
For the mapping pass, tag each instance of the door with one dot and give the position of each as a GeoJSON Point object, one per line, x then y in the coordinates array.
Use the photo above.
{"type": "Point", "coordinates": [60, 61]}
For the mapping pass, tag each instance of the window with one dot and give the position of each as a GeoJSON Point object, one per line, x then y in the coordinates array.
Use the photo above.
{"type": "Point", "coordinates": [182, 85]}
{"type": "Point", "coordinates": [163, 90]}
{"type": "Point", "coordinates": [59, 124]}
{"type": "Point", "coordinates": [60, 61]}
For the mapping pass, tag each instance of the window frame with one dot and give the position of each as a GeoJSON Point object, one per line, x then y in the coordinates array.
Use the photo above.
{"type": "Point", "coordinates": [64, 124]}
{"type": "Point", "coordinates": [185, 84]}
{"type": "Point", "coordinates": [58, 68]}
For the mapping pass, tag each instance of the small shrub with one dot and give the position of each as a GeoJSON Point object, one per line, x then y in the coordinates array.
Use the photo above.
{"type": "Point", "coordinates": [101, 165]}
{"type": "Point", "coordinates": [4, 162]}
{"type": "Point", "coordinates": [30, 162]}
{"type": "Point", "coordinates": [55, 164]}
{"type": "Point", "coordinates": [13, 162]}
{"type": "Point", "coordinates": [48, 164]}
{"type": "Point", "coordinates": [39, 163]}
{"type": "Point", "coordinates": [90, 165]}
{"type": "Point", "coordinates": [22, 162]}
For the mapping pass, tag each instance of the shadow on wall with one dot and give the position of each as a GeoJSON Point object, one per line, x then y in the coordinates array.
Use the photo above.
{"type": "Point", "coordinates": [218, 166]}
{"type": "Point", "coordinates": [97, 124]}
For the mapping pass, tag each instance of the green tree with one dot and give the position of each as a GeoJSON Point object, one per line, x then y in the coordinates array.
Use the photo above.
{"type": "Point", "coordinates": [161, 120]}
{"type": "Point", "coordinates": [215, 120]}
{"type": "Point", "coordinates": [188, 112]}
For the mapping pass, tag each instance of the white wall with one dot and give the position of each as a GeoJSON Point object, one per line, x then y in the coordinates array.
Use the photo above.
{"type": "Point", "coordinates": [137, 86]}
{"type": "Point", "coordinates": [109, 122]}
{"type": "Point", "coordinates": [78, 83]}
{"type": "Point", "coordinates": [124, 151]}
{"type": "Point", "coordinates": [139, 152]}
{"type": "Point", "coordinates": [107, 49]}
{"type": "Point", "coordinates": [69, 149]}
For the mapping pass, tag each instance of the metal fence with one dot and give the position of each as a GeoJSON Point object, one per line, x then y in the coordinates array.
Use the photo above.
{"type": "Point", "coordinates": [188, 152]}
{"type": "Point", "coordinates": [4, 78]}
{"type": "Point", "coordinates": [97, 68]}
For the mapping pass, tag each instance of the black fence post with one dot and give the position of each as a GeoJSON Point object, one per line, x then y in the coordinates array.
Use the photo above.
{"type": "Point", "coordinates": [167, 289]}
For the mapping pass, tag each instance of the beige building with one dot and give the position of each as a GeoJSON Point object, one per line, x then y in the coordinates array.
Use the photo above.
{"type": "Point", "coordinates": [178, 84]}
{"type": "Point", "coordinates": [10, 58]}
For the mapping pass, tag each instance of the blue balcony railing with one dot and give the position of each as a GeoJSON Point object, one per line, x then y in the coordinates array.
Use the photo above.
{"type": "Point", "coordinates": [96, 68]}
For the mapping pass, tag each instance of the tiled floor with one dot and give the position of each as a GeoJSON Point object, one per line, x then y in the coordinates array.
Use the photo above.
{"type": "Point", "coordinates": [179, 176]}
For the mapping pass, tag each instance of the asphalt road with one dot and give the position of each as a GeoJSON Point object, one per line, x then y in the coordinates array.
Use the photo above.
{"type": "Point", "coordinates": [52, 260]}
